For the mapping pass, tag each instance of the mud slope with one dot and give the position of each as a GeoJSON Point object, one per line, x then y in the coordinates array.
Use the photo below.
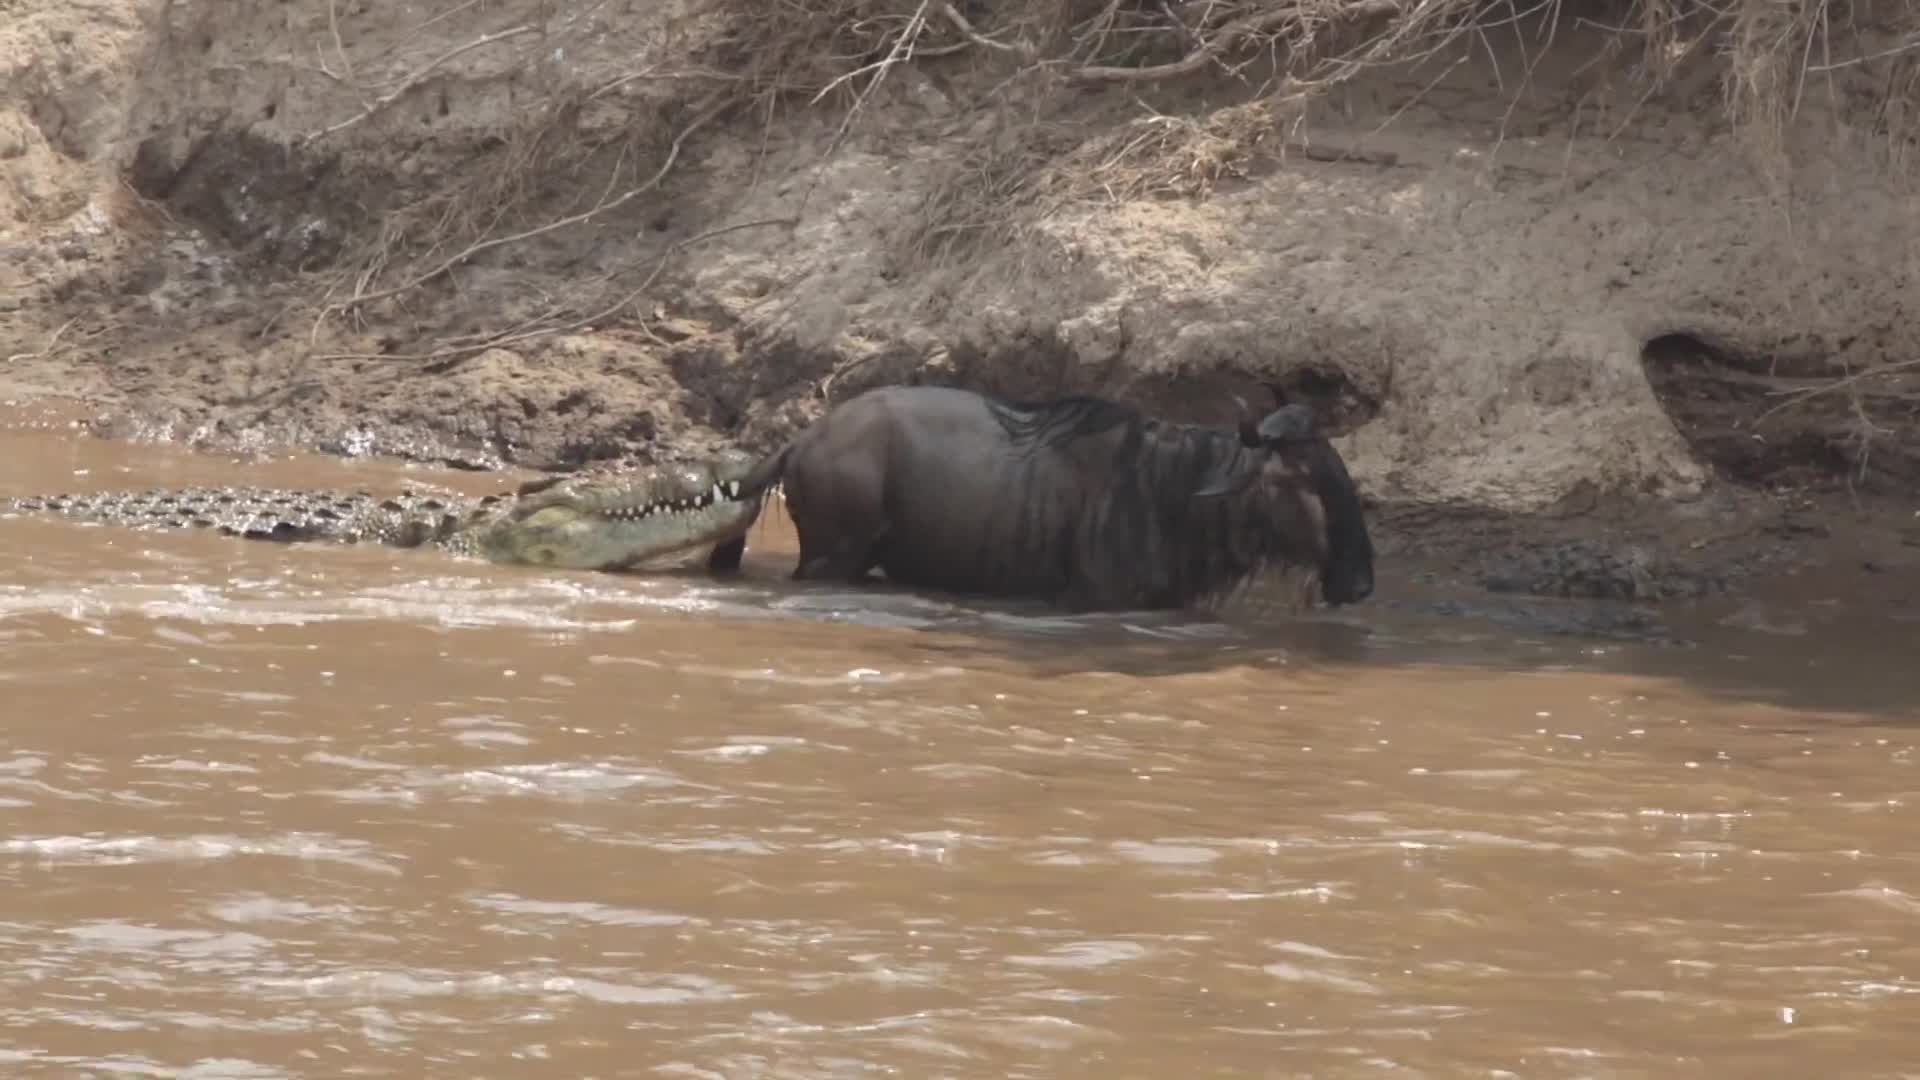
{"type": "Point", "coordinates": [1570, 308]}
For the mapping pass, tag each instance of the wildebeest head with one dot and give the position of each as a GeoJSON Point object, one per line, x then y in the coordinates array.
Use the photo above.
{"type": "Point", "coordinates": [1300, 488]}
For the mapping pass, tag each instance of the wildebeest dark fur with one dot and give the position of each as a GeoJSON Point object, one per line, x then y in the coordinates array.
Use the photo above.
{"type": "Point", "coordinates": [1085, 502]}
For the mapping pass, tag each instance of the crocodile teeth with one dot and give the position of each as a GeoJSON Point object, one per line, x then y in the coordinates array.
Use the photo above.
{"type": "Point", "coordinates": [718, 493]}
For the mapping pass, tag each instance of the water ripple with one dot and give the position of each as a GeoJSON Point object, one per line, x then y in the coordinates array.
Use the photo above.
{"type": "Point", "coordinates": [130, 850]}
{"type": "Point", "coordinates": [363, 986]}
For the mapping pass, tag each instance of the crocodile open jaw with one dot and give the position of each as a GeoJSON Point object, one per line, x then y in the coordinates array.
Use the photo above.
{"type": "Point", "coordinates": [647, 518]}
{"type": "Point", "coordinates": [651, 518]}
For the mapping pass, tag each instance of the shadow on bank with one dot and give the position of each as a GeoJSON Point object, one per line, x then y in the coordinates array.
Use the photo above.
{"type": "Point", "coordinates": [1852, 667]}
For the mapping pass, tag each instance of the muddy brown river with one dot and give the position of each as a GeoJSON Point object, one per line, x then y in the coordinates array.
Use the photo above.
{"type": "Point", "coordinates": [328, 811]}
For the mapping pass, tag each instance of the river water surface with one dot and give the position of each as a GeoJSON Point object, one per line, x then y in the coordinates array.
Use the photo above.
{"type": "Point", "coordinates": [318, 812]}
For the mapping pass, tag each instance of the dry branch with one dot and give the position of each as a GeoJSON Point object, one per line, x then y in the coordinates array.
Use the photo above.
{"type": "Point", "coordinates": [1210, 49]}
{"type": "Point", "coordinates": [410, 81]}
{"type": "Point", "coordinates": [1845, 382]}
{"type": "Point", "coordinates": [525, 333]}
{"type": "Point", "coordinates": [712, 110]}
{"type": "Point", "coordinates": [960, 23]}
{"type": "Point", "coordinates": [45, 350]}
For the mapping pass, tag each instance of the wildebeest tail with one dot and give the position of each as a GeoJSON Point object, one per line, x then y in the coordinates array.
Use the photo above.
{"type": "Point", "coordinates": [766, 475]}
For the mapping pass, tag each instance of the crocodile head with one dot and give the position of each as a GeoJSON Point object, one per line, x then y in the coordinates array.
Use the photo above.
{"type": "Point", "coordinates": [623, 522]}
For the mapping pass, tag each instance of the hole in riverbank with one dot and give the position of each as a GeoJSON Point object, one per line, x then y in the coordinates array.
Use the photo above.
{"type": "Point", "coordinates": [1788, 421]}
{"type": "Point", "coordinates": [259, 197]}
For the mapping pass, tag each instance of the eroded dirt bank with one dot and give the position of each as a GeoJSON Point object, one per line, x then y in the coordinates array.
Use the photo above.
{"type": "Point", "coordinates": [1582, 333]}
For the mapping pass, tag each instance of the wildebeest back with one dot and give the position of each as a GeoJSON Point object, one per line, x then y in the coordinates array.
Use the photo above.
{"type": "Point", "coordinates": [983, 514]}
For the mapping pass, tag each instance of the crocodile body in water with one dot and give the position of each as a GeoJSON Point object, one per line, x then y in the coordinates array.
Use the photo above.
{"type": "Point", "coordinates": [612, 521]}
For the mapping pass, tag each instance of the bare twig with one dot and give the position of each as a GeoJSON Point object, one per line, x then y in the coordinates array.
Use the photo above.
{"type": "Point", "coordinates": [521, 336]}
{"type": "Point", "coordinates": [1794, 397]}
{"type": "Point", "coordinates": [1909, 45]}
{"type": "Point", "coordinates": [158, 209]}
{"type": "Point", "coordinates": [45, 350]}
{"type": "Point", "coordinates": [673, 152]}
{"type": "Point", "coordinates": [411, 81]}
{"type": "Point", "coordinates": [901, 50]}
{"type": "Point", "coordinates": [1220, 41]}
{"type": "Point", "coordinates": [960, 23]}
{"type": "Point", "coordinates": [339, 47]}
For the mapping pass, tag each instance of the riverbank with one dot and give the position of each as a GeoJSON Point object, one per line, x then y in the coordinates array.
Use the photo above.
{"type": "Point", "coordinates": [1590, 323]}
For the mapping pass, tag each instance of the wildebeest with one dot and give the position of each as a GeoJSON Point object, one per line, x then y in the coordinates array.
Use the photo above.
{"type": "Point", "coordinates": [1088, 503]}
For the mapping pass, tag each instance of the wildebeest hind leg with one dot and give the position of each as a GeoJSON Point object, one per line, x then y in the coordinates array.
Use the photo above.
{"type": "Point", "coordinates": [848, 560]}
{"type": "Point", "coordinates": [725, 557]}
{"type": "Point", "coordinates": [839, 531]}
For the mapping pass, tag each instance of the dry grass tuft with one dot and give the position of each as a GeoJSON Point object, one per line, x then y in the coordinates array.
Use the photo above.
{"type": "Point", "coordinates": [1279, 52]}
{"type": "Point", "coordinates": [1013, 179]}
{"type": "Point", "coordinates": [837, 52]}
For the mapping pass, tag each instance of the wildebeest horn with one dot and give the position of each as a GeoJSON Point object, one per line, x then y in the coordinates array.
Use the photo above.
{"type": "Point", "coordinates": [1286, 424]}
{"type": "Point", "coordinates": [1249, 428]}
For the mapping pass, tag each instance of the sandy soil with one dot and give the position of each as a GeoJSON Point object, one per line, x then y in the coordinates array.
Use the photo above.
{"type": "Point", "coordinates": [1559, 324]}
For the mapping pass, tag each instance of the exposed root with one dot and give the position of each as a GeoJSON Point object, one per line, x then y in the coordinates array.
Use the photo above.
{"type": "Point", "coordinates": [985, 196]}
{"type": "Point", "coordinates": [46, 350]}
{"type": "Point", "coordinates": [1846, 382]}
{"type": "Point", "coordinates": [1862, 431]}
{"type": "Point", "coordinates": [606, 204]}
{"type": "Point", "coordinates": [1004, 187]}
{"type": "Point", "coordinates": [554, 322]}
{"type": "Point", "coordinates": [405, 84]}
{"type": "Point", "coordinates": [1280, 51]}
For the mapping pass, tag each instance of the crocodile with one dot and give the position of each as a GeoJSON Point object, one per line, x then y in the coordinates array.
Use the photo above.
{"type": "Point", "coordinates": [589, 521]}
